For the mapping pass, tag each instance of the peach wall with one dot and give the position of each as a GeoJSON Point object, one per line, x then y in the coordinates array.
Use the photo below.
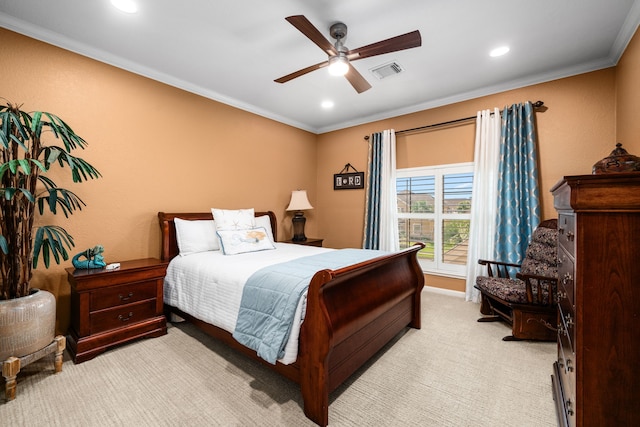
{"type": "Point", "coordinates": [158, 148]}
{"type": "Point", "coordinates": [628, 97]}
{"type": "Point", "coordinates": [576, 130]}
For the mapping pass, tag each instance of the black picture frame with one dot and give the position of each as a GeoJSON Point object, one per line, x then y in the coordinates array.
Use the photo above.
{"type": "Point", "coordinates": [348, 181]}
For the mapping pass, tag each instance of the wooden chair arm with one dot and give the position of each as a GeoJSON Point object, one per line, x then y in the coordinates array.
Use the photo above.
{"type": "Point", "coordinates": [502, 268]}
{"type": "Point", "coordinates": [529, 280]}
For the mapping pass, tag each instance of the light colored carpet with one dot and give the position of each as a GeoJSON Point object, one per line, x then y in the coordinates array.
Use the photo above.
{"type": "Point", "coordinates": [453, 372]}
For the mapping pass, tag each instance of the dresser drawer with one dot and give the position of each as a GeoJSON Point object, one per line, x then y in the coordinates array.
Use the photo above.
{"type": "Point", "coordinates": [566, 278]}
{"type": "Point", "coordinates": [118, 317]}
{"type": "Point", "coordinates": [566, 329]}
{"type": "Point", "coordinates": [567, 232]}
{"type": "Point", "coordinates": [119, 295]}
{"type": "Point", "coordinates": [567, 376]}
{"type": "Point", "coordinates": [567, 372]}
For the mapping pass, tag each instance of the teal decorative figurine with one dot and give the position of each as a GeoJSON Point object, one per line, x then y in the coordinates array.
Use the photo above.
{"type": "Point", "coordinates": [94, 258]}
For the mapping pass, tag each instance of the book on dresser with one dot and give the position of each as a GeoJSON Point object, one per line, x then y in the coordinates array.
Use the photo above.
{"type": "Point", "coordinates": [596, 375]}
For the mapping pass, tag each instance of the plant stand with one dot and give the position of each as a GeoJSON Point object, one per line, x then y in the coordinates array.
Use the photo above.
{"type": "Point", "coordinates": [11, 367]}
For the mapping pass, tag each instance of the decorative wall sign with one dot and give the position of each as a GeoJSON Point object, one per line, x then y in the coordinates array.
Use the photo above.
{"type": "Point", "coordinates": [346, 180]}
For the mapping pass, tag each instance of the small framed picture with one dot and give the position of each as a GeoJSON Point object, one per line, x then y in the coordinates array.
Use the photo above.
{"type": "Point", "coordinates": [348, 181]}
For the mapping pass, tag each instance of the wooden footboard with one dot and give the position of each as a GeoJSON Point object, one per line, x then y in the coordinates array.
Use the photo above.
{"type": "Point", "coordinates": [351, 314]}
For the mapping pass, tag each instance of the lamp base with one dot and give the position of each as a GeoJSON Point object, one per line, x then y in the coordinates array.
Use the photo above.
{"type": "Point", "coordinates": [298, 221]}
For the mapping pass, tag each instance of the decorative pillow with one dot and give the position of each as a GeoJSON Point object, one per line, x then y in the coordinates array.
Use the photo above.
{"type": "Point", "coordinates": [241, 241]}
{"type": "Point", "coordinates": [265, 221]}
{"type": "Point", "coordinates": [196, 236]}
{"type": "Point", "coordinates": [238, 219]}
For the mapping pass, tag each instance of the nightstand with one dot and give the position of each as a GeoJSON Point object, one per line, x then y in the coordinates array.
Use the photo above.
{"type": "Point", "coordinates": [111, 307]}
{"type": "Point", "coordinates": [311, 241]}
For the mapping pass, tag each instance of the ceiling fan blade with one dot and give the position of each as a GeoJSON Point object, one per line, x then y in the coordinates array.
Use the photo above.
{"type": "Point", "coordinates": [357, 81]}
{"type": "Point", "coordinates": [306, 27]}
{"type": "Point", "coordinates": [394, 44]}
{"type": "Point", "coordinates": [302, 72]}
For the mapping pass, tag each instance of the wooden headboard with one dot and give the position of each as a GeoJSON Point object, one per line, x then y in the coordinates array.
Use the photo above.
{"type": "Point", "coordinates": [169, 247]}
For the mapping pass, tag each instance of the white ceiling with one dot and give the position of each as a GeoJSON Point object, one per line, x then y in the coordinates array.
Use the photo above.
{"type": "Point", "coordinates": [231, 51]}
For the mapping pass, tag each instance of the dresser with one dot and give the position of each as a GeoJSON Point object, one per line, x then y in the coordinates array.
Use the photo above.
{"type": "Point", "coordinates": [111, 307]}
{"type": "Point", "coordinates": [596, 379]}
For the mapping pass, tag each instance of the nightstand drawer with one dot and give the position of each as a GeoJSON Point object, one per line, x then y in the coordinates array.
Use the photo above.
{"type": "Point", "coordinates": [120, 295]}
{"type": "Point", "coordinates": [118, 317]}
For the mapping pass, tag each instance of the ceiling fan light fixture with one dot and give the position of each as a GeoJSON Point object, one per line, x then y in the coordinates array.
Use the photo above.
{"type": "Point", "coordinates": [338, 65]}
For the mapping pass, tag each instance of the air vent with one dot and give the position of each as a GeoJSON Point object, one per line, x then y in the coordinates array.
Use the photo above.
{"type": "Point", "coordinates": [386, 70]}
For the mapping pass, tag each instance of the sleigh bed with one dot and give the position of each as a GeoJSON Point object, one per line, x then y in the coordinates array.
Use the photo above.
{"type": "Point", "coordinates": [351, 313]}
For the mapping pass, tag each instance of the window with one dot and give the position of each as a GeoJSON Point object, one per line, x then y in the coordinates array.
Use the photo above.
{"type": "Point", "coordinates": [434, 207]}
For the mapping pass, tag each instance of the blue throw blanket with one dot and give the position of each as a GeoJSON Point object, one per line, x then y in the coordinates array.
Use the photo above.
{"type": "Point", "coordinates": [271, 295]}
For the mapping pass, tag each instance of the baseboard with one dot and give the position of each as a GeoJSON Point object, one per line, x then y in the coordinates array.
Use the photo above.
{"type": "Point", "coordinates": [449, 292]}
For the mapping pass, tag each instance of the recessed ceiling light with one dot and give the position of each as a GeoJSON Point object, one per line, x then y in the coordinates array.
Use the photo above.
{"type": "Point", "coordinates": [499, 51]}
{"type": "Point", "coordinates": [128, 6]}
{"type": "Point", "coordinates": [327, 104]}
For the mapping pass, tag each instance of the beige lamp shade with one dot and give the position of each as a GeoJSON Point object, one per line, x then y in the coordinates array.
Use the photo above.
{"type": "Point", "coordinates": [299, 201]}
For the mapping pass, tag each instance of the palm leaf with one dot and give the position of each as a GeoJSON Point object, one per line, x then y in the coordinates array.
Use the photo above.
{"type": "Point", "coordinates": [11, 122]}
{"type": "Point", "coordinates": [24, 164]}
{"type": "Point", "coordinates": [9, 192]}
{"type": "Point", "coordinates": [51, 240]}
{"type": "Point", "coordinates": [80, 169]}
{"type": "Point", "coordinates": [36, 124]}
{"type": "Point", "coordinates": [64, 132]}
{"type": "Point", "coordinates": [61, 198]}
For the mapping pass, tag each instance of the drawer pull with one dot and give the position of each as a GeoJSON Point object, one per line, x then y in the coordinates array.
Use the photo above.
{"type": "Point", "coordinates": [125, 297]}
{"type": "Point", "coordinates": [561, 259]}
{"type": "Point", "coordinates": [561, 330]}
{"type": "Point", "coordinates": [569, 407]}
{"type": "Point", "coordinates": [569, 365]}
{"type": "Point", "coordinates": [124, 319]}
{"type": "Point", "coordinates": [570, 236]}
{"type": "Point", "coordinates": [569, 320]}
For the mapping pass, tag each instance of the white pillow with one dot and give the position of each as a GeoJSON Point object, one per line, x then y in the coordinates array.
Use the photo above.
{"type": "Point", "coordinates": [196, 236]}
{"type": "Point", "coordinates": [265, 221]}
{"type": "Point", "coordinates": [238, 219]}
{"type": "Point", "coordinates": [235, 242]}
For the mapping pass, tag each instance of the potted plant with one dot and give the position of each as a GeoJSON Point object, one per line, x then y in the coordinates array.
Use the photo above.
{"type": "Point", "coordinates": [27, 191]}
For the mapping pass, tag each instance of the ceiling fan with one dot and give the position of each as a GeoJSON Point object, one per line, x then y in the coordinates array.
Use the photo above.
{"type": "Point", "coordinates": [340, 56]}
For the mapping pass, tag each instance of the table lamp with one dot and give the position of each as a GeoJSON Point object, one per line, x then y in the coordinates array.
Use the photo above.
{"type": "Point", "coordinates": [298, 203]}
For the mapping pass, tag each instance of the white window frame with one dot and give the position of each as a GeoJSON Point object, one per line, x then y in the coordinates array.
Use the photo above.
{"type": "Point", "coordinates": [438, 266]}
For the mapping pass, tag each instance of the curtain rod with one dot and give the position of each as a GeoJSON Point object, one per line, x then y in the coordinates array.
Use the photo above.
{"type": "Point", "coordinates": [536, 105]}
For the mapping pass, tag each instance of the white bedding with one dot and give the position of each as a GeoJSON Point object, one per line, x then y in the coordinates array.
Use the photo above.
{"type": "Point", "coordinates": [208, 285]}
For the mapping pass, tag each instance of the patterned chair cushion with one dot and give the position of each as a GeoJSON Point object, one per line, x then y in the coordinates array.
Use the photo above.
{"type": "Point", "coordinates": [540, 260]}
{"type": "Point", "coordinates": [541, 257]}
{"type": "Point", "coordinates": [510, 290]}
